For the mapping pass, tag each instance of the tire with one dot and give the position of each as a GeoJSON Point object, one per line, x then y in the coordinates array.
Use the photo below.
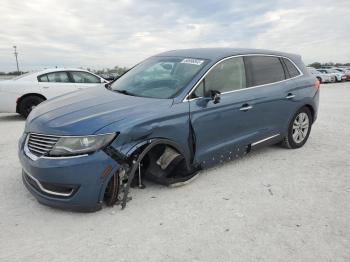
{"type": "Point", "coordinates": [299, 129]}
{"type": "Point", "coordinates": [28, 103]}
{"type": "Point", "coordinates": [319, 79]}
{"type": "Point", "coordinates": [112, 191]}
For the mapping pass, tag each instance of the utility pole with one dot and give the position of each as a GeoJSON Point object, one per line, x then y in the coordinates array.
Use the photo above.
{"type": "Point", "coordinates": [16, 54]}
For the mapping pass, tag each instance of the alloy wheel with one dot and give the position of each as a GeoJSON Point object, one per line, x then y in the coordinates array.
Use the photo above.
{"type": "Point", "coordinates": [301, 126]}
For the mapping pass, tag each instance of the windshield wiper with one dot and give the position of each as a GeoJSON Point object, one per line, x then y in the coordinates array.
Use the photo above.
{"type": "Point", "coordinates": [124, 92]}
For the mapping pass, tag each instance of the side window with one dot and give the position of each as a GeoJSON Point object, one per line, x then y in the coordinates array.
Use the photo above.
{"type": "Point", "coordinates": [43, 78]}
{"type": "Point", "coordinates": [57, 77]}
{"type": "Point", "coordinates": [293, 71]}
{"type": "Point", "coordinates": [227, 76]}
{"type": "Point", "coordinates": [264, 70]}
{"type": "Point", "coordinates": [84, 77]}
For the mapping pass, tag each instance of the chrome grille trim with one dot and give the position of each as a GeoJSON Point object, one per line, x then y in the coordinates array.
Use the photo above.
{"type": "Point", "coordinates": [35, 154]}
{"type": "Point", "coordinates": [37, 151]}
{"type": "Point", "coordinates": [40, 144]}
{"type": "Point", "coordinates": [41, 140]}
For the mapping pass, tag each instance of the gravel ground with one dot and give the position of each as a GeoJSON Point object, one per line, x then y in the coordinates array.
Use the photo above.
{"type": "Point", "coordinates": [273, 205]}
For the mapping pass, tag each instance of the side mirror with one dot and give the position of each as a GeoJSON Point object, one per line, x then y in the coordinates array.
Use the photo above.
{"type": "Point", "coordinates": [215, 96]}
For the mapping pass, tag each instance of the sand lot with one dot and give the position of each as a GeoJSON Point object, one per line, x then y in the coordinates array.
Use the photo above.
{"type": "Point", "coordinates": [273, 205]}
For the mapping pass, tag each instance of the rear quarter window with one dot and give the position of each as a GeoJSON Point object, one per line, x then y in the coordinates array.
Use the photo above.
{"type": "Point", "coordinates": [43, 78]}
{"type": "Point", "coordinates": [263, 70]}
{"type": "Point", "coordinates": [292, 70]}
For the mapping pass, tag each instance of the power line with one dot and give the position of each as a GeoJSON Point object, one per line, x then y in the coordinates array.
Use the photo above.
{"type": "Point", "coordinates": [16, 54]}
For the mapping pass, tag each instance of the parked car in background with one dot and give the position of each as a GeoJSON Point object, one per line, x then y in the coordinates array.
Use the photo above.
{"type": "Point", "coordinates": [110, 76]}
{"type": "Point", "coordinates": [164, 120]}
{"type": "Point", "coordinates": [345, 71]}
{"type": "Point", "coordinates": [322, 77]}
{"type": "Point", "coordinates": [23, 93]}
{"type": "Point", "coordinates": [339, 76]}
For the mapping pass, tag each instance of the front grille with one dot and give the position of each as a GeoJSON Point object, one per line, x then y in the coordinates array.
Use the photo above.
{"type": "Point", "coordinates": [40, 144]}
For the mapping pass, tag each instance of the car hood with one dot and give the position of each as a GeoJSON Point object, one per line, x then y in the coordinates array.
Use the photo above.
{"type": "Point", "coordinates": [85, 112]}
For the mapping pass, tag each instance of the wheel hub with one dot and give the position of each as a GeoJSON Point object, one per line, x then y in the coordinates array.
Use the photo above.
{"type": "Point", "coordinates": [300, 127]}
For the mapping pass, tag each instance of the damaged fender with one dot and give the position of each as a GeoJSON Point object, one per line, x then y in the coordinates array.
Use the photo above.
{"type": "Point", "coordinates": [131, 162]}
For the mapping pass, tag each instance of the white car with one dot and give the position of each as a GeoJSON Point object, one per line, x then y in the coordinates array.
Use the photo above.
{"type": "Point", "coordinates": [345, 71]}
{"type": "Point", "coordinates": [322, 77]}
{"type": "Point", "coordinates": [23, 93]}
{"type": "Point", "coordinates": [339, 76]}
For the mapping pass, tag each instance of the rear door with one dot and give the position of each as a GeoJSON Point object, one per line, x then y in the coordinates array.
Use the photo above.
{"type": "Point", "coordinates": [84, 80]}
{"type": "Point", "coordinates": [271, 94]}
{"type": "Point", "coordinates": [55, 84]}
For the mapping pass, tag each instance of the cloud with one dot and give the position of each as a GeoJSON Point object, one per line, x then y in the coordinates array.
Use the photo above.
{"type": "Point", "coordinates": [106, 33]}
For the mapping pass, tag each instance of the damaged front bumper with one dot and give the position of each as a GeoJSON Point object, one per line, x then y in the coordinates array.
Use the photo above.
{"type": "Point", "coordinates": [75, 183]}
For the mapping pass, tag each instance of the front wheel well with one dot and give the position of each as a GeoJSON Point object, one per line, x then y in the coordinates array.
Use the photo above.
{"type": "Point", "coordinates": [19, 100]}
{"type": "Point", "coordinates": [147, 157]}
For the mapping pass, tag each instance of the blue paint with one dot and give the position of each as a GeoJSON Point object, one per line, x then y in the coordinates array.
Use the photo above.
{"type": "Point", "coordinates": [222, 132]}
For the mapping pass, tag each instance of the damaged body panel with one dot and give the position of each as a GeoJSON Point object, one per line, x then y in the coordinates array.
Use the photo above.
{"type": "Point", "coordinates": [166, 119]}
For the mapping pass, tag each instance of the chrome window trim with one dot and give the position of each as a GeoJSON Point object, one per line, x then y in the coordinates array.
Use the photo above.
{"type": "Point", "coordinates": [42, 188]}
{"type": "Point", "coordinates": [247, 88]}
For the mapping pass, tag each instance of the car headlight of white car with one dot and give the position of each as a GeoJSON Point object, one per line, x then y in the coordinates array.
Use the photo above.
{"type": "Point", "coordinates": [76, 145]}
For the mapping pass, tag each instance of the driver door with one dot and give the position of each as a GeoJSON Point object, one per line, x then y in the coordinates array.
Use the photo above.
{"type": "Point", "coordinates": [222, 128]}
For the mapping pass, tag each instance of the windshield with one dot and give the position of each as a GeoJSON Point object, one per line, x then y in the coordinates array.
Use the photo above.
{"type": "Point", "coordinates": [158, 77]}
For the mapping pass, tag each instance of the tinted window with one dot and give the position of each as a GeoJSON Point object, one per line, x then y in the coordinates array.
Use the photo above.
{"type": "Point", "coordinates": [43, 78]}
{"type": "Point", "coordinates": [227, 76]}
{"type": "Point", "coordinates": [57, 77]}
{"type": "Point", "coordinates": [84, 77]}
{"type": "Point", "coordinates": [293, 71]}
{"type": "Point", "coordinates": [264, 70]}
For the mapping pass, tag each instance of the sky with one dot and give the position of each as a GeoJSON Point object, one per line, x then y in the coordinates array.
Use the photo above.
{"type": "Point", "coordinates": [106, 33]}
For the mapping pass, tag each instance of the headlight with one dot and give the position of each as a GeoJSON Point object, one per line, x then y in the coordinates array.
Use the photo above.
{"type": "Point", "coordinates": [76, 145]}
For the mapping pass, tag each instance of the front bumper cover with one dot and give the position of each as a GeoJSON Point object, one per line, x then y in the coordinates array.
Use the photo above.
{"type": "Point", "coordinates": [70, 183]}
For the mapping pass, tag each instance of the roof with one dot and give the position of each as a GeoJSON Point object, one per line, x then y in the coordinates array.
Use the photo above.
{"type": "Point", "coordinates": [48, 70]}
{"type": "Point", "coordinates": [219, 53]}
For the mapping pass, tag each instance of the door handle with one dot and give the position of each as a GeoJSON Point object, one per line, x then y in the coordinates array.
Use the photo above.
{"type": "Point", "coordinates": [290, 96]}
{"type": "Point", "coordinates": [45, 87]}
{"type": "Point", "coordinates": [245, 107]}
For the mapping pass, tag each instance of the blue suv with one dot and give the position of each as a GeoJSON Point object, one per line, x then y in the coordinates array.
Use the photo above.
{"type": "Point", "coordinates": [164, 120]}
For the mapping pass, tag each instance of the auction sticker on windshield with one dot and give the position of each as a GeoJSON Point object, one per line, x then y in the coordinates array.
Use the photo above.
{"type": "Point", "coordinates": [192, 61]}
